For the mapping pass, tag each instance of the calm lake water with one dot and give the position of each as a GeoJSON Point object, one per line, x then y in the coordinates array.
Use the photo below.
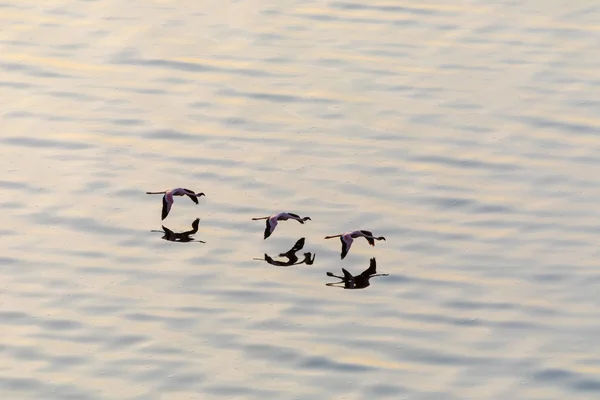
{"type": "Point", "coordinates": [465, 132]}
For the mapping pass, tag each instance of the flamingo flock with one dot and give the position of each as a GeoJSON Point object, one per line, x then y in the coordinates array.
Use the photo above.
{"type": "Point", "coordinates": [271, 222]}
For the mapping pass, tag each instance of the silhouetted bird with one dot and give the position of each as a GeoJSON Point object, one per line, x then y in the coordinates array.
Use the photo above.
{"type": "Point", "coordinates": [360, 281]}
{"type": "Point", "coordinates": [183, 237]}
{"type": "Point", "coordinates": [309, 258]}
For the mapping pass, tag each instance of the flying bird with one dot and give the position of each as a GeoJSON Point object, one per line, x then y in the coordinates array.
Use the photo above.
{"type": "Point", "coordinates": [348, 237]}
{"type": "Point", "coordinates": [168, 198]}
{"type": "Point", "coordinates": [360, 281]}
{"type": "Point", "coordinates": [272, 221]}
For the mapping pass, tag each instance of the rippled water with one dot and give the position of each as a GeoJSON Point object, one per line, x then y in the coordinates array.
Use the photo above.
{"type": "Point", "coordinates": [464, 132]}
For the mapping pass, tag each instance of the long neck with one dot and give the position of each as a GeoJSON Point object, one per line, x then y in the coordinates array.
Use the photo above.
{"type": "Point", "coordinates": [163, 192]}
{"type": "Point", "coordinates": [256, 219]}
{"type": "Point", "coordinates": [334, 236]}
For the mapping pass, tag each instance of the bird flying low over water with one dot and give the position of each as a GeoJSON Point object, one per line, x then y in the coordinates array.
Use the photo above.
{"type": "Point", "coordinates": [168, 198]}
{"type": "Point", "coordinates": [272, 221]}
{"type": "Point", "coordinates": [360, 281]}
{"type": "Point", "coordinates": [348, 237]}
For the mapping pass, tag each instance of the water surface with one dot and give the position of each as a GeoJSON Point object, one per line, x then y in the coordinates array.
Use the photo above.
{"type": "Point", "coordinates": [465, 132]}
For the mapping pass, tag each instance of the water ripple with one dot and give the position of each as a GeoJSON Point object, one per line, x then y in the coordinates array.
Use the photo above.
{"type": "Point", "coordinates": [45, 143]}
{"type": "Point", "coordinates": [129, 58]}
{"type": "Point", "coordinates": [465, 134]}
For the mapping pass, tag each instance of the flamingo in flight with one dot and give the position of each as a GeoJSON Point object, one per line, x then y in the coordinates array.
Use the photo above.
{"type": "Point", "coordinates": [168, 198]}
{"type": "Point", "coordinates": [348, 237]}
{"type": "Point", "coordinates": [359, 281]}
{"type": "Point", "coordinates": [272, 221]}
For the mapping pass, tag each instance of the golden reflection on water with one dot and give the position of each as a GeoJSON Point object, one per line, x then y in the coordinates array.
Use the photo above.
{"type": "Point", "coordinates": [464, 133]}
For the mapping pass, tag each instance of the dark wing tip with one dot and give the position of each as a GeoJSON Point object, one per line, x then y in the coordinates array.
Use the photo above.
{"type": "Point", "coordinates": [165, 210]}
{"type": "Point", "coordinates": [372, 270]}
{"type": "Point", "coordinates": [344, 248]}
{"type": "Point", "coordinates": [299, 245]}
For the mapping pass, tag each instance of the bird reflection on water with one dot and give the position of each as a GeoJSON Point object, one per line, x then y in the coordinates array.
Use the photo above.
{"type": "Point", "coordinates": [182, 237]}
{"type": "Point", "coordinates": [360, 281]}
{"type": "Point", "coordinates": [309, 258]}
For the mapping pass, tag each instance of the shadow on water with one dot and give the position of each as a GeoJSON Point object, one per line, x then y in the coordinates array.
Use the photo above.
{"type": "Point", "coordinates": [292, 258]}
{"type": "Point", "coordinates": [359, 281]}
{"type": "Point", "coordinates": [182, 237]}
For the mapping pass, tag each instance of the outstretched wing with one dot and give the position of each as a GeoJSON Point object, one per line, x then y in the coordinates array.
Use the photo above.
{"type": "Point", "coordinates": [372, 270]}
{"type": "Point", "coordinates": [348, 279]}
{"type": "Point", "coordinates": [347, 275]}
{"type": "Point", "coordinates": [194, 229]}
{"type": "Point", "coordinates": [345, 247]}
{"type": "Point", "coordinates": [169, 234]}
{"type": "Point", "coordinates": [191, 194]}
{"type": "Point", "coordinates": [296, 216]}
{"type": "Point", "coordinates": [299, 245]}
{"type": "Point", "coordinates": [268, 229]}
{"type": "Point", "coordinates": [369, 239]}
{"type": "Point", "coordinates": [166, 207]}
